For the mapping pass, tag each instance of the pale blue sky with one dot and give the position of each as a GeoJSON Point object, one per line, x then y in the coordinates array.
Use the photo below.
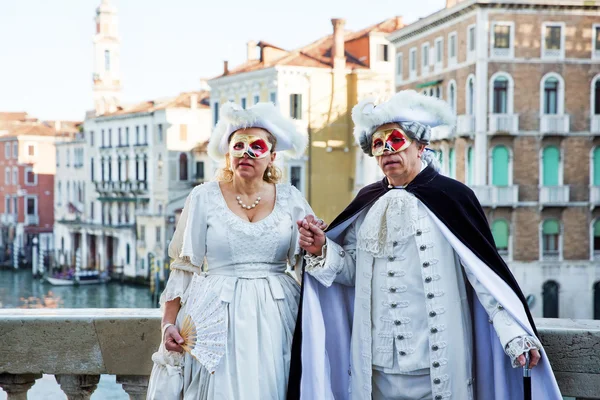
{"type": "Point", "coordinates": [166, 45]}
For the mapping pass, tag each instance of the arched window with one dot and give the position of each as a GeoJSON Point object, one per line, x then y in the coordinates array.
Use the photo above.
{"type": "Point", "coordinates": [452, 95]}
{"type": "Point", "coordinates": [551, 166]}
{"type": "Point", "coordinates": [440, 155]}
{"type": "Point", "coordinates": [106, 60]}
{"type": "Point", "coordinates": [551, 239]}
{"type": "Point", "coordinates": [552, 89]}
{"type": "Point", "coordinates": [470, 97]}
{"type": "Point", "coordinates": [596, 95]}
{"type": "Point", "coordinates": [597, 300]}
{"type": "Point", "coordinates": [500, 166]}
{"type": "Point", "coordinates": [469, 166]}
{"type": "Point", "coordinates": [127, 254]}
{"type": "Point", "coordinates": [596, 240]}
{"type": "Point", "coordinates": [550, 299]}
{"type": "Point", "coordinates": [183, 167]}
{"type": "Point", "coordinates": [451, 164]}
{"type": "Point", "coordinates": [500, 231]}
{"type": "Point", "coordinates": [500, 95]}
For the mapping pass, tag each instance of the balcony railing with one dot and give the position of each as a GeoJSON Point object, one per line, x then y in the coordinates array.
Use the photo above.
{"type": "Point", "coordinates": [554, 123]}
{"type": "Point", "coordinates": [41, 334]}
{"type": "Point", "coordinates": [8, 219]}
{"type": "Point", "coordinates": [497, 196]}
{"type": "Point", "coordinates": [595, 124]}
{"type": "Point", "coordinates": [504, 123]}
{"type": "Point", "coordinates": [32, 219]}
{"type": "Point", "coordinates": [465, 124]}
{"type": "Point", "coordinates": [554, 195]}
{"type": "Point", "coordinates": [122, 187]}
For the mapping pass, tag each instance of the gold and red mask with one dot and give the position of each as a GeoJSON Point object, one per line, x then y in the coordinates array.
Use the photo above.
{"type": "Point", "coordinates": [254, 146]}
{"type": "Point", "coordinates": [392, 140]}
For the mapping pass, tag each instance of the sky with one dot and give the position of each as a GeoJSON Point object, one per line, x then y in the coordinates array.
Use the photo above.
{"type": "Point", "coordinates": [167, 46]}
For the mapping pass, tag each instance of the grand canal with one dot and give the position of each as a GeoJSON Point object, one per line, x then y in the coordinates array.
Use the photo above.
{"type": "Point", "coordinates": [19, 290]}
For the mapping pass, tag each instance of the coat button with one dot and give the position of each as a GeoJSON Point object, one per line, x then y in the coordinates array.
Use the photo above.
{"type": "Point", "coordinates": [394, 305]}
{"type": "Point", "coordinates": [433, 330]}
{"type": "Point", "coordinates": [395, 243]}
{"type": "Point", "coordinates": [432, 314]}
{"type": "Point", "coordinates": [419, 232]}
{"type": "Point", "coordinates": [426, 264]}
{"type": "Point", "coordinates": [438, 397]}
{"type": "Point", "coordinates": [402, 353]}
{"type": "Point", "coordinates": [391, 273]}
{"type": "Point", "coordinates": [428, 279]}
{"type": "Point", "coordinates": [500, 307]}
{"type": "Point", "coordinates": [397, 322]}
{"type": "Point", "coordinates": [400, 337]}
{"type": "Point", "coordinates": [430, 296]}
{"type": "Point", "coordinates": [423, 247]}
{"type": "Point", "coordinates": [437, 381]}
{"type": "Point", "coordinates": [391, 258]}
{"type": "Point", "coordinates": [435, 347]}
{"type": "Point", "coordinates": [342, 253]}
{"type": "Point", "coordinates": [393, 289]}
{"type": "Point", "coordinates": [435, 364]}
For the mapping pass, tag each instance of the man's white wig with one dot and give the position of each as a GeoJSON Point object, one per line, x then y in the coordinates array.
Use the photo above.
{"type": "Point", "coordinates": [290, 141]}
{"type": "Point", "coordinates": [416, 113]}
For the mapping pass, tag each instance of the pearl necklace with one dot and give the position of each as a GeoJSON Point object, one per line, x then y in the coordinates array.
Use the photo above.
{"type": "Point", "coordinates": [239, 200]}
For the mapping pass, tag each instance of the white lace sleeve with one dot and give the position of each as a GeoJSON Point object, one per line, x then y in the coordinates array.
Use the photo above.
{"type": "Point", "coordinates": [521, 345]}
{"type": "Point", "coordinates": [313, 261]}
{"type": "Point", "coordinates": [177, 285]}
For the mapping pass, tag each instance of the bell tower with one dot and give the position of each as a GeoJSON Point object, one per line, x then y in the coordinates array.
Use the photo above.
{"type": "Point", "coordinates": [107, 48]}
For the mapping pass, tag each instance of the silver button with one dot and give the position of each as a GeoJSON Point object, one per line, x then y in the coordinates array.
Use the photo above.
{"type": "Point", "coordinates": [433, 330]}
{"type": "Point", "coordinates": [400, 337]}
{"type": "Point", "coordinates": [432, 314]}
{"type": "Point", "coordinates": [428, 279]}
{"type": "Point", "coordinates": [500, 307]}
{"type": "Point", "coordinates": [435, 347]}
{"type": "Point", "coordinates": [438, 397]}
{"type": "Point", "coordinates": [391, 273]}
{"type": "Point", "coordinates": [423, 247]}
{"type": "Point", "coordinates": [342, 253]}
{"type": "Point", "coordinates": [395, 243]}
{"type": "Point", "coordinates": [402, 353]}
{"type": "Point", "coordinates": [393, 289]}
{"type": "Point", "coordinates": [390, 186]}
{"type": "Point", "coordinates": [391, 258]}
{"type": "Point", "coordinates": [430, 296]}
{"type": "Point", "coordinates": [394, 305]}
{"type": "Point", "coordinates": [419, 232]}
{"type": "Point", "coordinates": [426, 264]}
{"type": "Point", "coordinates": [435, 364]}
{"type": "Point", "coordinates": [437, 381]}
{"type": "Point", "coordinates": [397, 322]}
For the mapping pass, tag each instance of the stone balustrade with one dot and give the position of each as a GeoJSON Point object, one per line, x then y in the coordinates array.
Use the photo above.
{"type": "Point", "coordinates": [78, 345]}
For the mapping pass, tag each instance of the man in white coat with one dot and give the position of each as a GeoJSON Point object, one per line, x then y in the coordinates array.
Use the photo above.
{"type": "Point", "coordinates": [402, 292]}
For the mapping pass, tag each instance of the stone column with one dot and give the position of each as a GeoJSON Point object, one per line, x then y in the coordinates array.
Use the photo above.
{"type": "Point", "coordinates": [78, 387]}
{"type": "Point", "coordinates": [135, 386]}
{"type": "Point", "coordinates": [100, 251]}
{"type": "Point", "coordinates": [17, 386]}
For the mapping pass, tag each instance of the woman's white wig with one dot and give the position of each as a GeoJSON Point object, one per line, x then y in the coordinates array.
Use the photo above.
{"type": "Point", "coordinates": [290, 141]}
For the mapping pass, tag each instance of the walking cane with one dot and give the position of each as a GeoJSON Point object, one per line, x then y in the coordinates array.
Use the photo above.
{"type": "Point", "coordinates": [527, 378]}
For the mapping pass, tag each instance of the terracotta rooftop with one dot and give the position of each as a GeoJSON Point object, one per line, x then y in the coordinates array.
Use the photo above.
{"type": "Point", "coordinates": [318, 53]}
{"type": "Point", "coordinates": [182, 100]}
{"type": "Point", "coordinates": [20, 124]}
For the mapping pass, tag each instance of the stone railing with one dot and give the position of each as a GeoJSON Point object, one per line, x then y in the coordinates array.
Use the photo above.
{"type": "Point", "coordinates": [78, 345]}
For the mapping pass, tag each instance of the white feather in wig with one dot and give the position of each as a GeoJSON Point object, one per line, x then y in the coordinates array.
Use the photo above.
{"type": "Point", "coordinates": [405, 107]}
{"type": "Point", "coordinates": [291, 142]}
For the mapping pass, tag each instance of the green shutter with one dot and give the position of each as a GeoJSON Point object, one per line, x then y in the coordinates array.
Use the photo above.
{"type": "Point", "coordinates": [451, 167]}
{"type": "Point", "coordinates": [551, 165]}
{"type": "Point", "coordinates": [597, 164]}
{"type": "Point", "coordinates": [551, 227]}
{"type": "Point", "coordinates": [500, 162]}
{"type": "Point", "coordinates": [500, 233]}
{"type": "Point", "coordinates": [470, 166]}
{"type": "Point", "coordinates": [597, 228]}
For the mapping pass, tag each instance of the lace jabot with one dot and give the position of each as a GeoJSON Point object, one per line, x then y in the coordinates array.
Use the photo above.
{"type": "Point", "coordinates": [392, 218]}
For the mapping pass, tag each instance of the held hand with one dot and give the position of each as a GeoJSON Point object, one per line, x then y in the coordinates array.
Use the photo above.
{"type": "Point", "coordinates": [534, 358]}
{"type": "Point", "coordinates": [312, 237]}
{"type": "Point", "coordinates": [173, 339]}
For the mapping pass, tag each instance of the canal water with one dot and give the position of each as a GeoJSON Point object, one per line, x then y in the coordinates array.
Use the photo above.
{"type": "Point", "coordinates": [18, 289]}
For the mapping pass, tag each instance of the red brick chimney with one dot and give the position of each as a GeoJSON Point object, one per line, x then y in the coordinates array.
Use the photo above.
{"type": "Point", "coordinates": [337, 50]}
{"type": "Point", "coordinates": [225, 67]}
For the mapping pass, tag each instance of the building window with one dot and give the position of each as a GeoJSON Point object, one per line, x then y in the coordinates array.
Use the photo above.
{"type": "Point", "coordinates": [15, 177]}
{"type": "Point", "coordinates": [102, 170]}
{"type": "Point", "coordinates": [597, 300]}
{"type": "Point", "coordinates": [500, 231]}
{"type": "Point", "coordinates": [15, 149]}
{"type": "Point", "coordinates": [502, 39]}
{"type": "Point", "coordinates": [68, 158]}
{"type": "Point", "coordinates": [452, 49]}
{"type": "Point", "coordinates": [273, 97]}
{"type": "Point", "coordinates": [7, 175]}
{"type": "Point", "coordinates": [382, 53]}
{"type": "Point", "coordinates": [183, 167]}
{"type": "Point", "coordinates": [159, 133]}
{"type": "Point", "coordinates": [412, 61]}
{"type": "Point", "coordinates": [452, 95]}
{"type": "Point", "coordinates": [469, 167]}
{"type": "Point", "coordinates": [109, 162]}
{"type": "Point", "coordinates": [92, 139]}
{"type": "Point", "coordinates": [425, 57]}
{"type": "Point", "coordinates": [106, 60]}
{"type": "Point", "coordinates": [399, 66]}
{"type": "Point", "coordinates": [471, 41]}
{"type": "Point", "coordinates": [596, 240]}
{"type": "Point", "coordinates": [92, 169]}
{"type": "Point", "coordinates": [30, 176]}
{"type": "Point", "coordinates": [137, 135]}
{"type": "Point", "coordinates": [92, 210]}
{"type": "Point", "coordinates": [552, 40]}
{"type": "Point", "coordinates": [59, 193]}
{"type": "Point", "coordinates": [158, 235]}
{"type": "Point", "coordinates": [596, 41]}
{"type": "Point", "coordinates": [470, 97]}
{"type": "Point", "coordinates": [119, 138]}
{"type": "Point", "coordinates": [31, 205]}
{"type": "Point", "coordinates": [440, 155]}
{"type": "Point", "coordinates": [500, 166]}
{"type": "Point", "coordinates": [500, 100]}
{"type": "Point", "coordinates": [215, 113]}
{"type": "Point", "coordinates": [439, 52]}
{"type": "Point", "coordinates": [551, 239]}
{"type": "Point", "coordinates": [15, 205]}
{"type": "Point", "coordinates": [438, 92]}
{"type": "Point", "coordinates": [256, 99]}
{"type": "Point", "coordinates": [551, 96]}
{"type": "Point", "coordinates": [7, 150]}
{"type": "Point", "coordinates": [550, 299]}
{"type": "Point", "coordinates": [7, 205]}
{"type": "Point", "coordinates": [296, 106]}
{"type": "Point", "coordinates": [127, 254]}
{"type": "Point", "coordinates": [119, 168]}
{"type": "Point", "coordinates": [102, 139]}
{"type": "Point", "coordinates": [200, 170]}
{"type": "Point", "coordinates": [452, 163]}
{"type": "Point", "coordinates": [596, 96]}
{"type": "Point", "coordinates": [127, 136]}
{"type": "Point", "coordinates": [183, 132]}
{"type": "Point", "coordinates": [145, 134]}
{"type": "Point", "coordinates": [296, 176]}
{"type": "Point", "coordinates": [243, 102]}
{"type": "Point", "coordinates": [551, 166]}
{"type": "Point", "coordinates": [142, 233]}
{"type": "Point", "coordinates": [145, 168]}
{"type": "Point", "coordinates": [31, 150]}
{"type": "Point", "coordinates": [109, 138]}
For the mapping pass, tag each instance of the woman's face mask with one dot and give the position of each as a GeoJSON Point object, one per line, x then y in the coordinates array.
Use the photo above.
{"type": "Point", "coordinates": [254, 146]}
{"type": "Point", "coordinates": [392, 140]}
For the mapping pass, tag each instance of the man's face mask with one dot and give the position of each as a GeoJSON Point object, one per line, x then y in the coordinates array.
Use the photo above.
{"type": "Point", "coordinates": [254, 146]}
{"type": "Point", "coordinates": [392, 140]}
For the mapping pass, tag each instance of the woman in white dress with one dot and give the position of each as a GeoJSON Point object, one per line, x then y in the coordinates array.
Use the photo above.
{"type": "Point", "coordinates": [235, 240]}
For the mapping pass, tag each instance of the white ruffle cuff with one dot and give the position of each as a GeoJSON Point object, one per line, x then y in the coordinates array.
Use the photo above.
{"type": "Point", "coordinates": [177, 285]}
{"type": "Point", "coordinates": [521, 345]}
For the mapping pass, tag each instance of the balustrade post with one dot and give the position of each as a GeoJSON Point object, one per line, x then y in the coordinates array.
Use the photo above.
{"type": "Point", "coordinates": [136, 386]}
{"type": "Point", "coordinates": [17, 386]}
{"type": "Point", "coordinates": [78, 387]}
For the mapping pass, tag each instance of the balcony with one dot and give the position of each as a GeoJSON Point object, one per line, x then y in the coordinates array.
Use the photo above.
{"type": "Point", "coordinates": [465, 124]}
{"type": "Point", "coordinates": [554, 123]}
{"type": "Point", "coordinates": [554, 195]}
{"type": "Point", "coordinates": [504, 123]}
{"type": "Point", "coordinates": [102, 348]}
{"type": "Point", "coordinates": [32, 220]}
{"type": "Point", "coordinates": [595, 196]}
{"type": "Point", "coordinates": [122, 187]}
{"type": "Point", "coordinates": [497, 196]}
{"type": "Point", "coordinates": [8, 219]}
{"type": "Point", "coordinates": [595, 124]}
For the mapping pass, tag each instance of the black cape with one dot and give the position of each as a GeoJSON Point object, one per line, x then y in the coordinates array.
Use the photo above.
{"type": "Point", "coordinates": [456, 206]}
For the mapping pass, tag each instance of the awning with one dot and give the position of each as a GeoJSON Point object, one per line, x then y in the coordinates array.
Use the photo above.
{"type": "Point", "coordinates": [430, 83]}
